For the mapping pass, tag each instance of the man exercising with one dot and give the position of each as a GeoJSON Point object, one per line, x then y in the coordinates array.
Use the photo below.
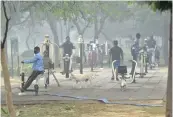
{"type": "Point", "coordinates": [38, 68]}
{"type": "Point", "coordinates": [67, 48]}
{"type": "Point", "coordinates": [117, 54]}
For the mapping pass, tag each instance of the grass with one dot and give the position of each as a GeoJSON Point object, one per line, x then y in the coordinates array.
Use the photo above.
{"type": "Point", "coordinates": [54, 109]}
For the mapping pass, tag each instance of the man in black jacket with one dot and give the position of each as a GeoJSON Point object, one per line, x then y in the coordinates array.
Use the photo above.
{"type": "Point", "coordinates": [67, 48]}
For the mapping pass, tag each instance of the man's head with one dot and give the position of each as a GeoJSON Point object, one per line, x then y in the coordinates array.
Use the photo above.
{"type": "Point", "coordinates": [68, 39]}
{"type": "Point", "coordinates": [36, 50]}
{"type": "Point", "coordinates": [138, 35]}
{"type": "Point", "coordinates": [115, 43]}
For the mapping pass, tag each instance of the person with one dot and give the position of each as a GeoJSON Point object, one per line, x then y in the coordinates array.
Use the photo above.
{"type": "Point", "coordinates": [102, 53]}
{"type": "Point", "coordinates": [38, 68]}
{"type": "Point", "coordinates": [157, 54]}
{"type": "Point", "coordinates": [67, 49]}
{"type": "Point", "coordinates": [135, 51]}
{"type": "Point", "coordinates": [151, 43]}
{"type": "Point", "coordinates": [116, 53]}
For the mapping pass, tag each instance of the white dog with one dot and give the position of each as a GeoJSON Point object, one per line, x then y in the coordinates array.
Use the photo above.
{"type": "Point", "coordinates": [79, 78]}
{"type": "Point", "coordinates": [123, 84]}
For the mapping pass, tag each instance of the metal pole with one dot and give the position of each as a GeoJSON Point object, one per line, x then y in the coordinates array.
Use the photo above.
{"type": "Point", "coordinates": [81, 54]}
{"type": "Point", "coordinates": [47, 49]}
{"type": "Point", "coordinates": [91, 57]}
{"type": "Point", "coordinates": [12, 58]}
{"type": "Point", "coordinates": [18, 71]}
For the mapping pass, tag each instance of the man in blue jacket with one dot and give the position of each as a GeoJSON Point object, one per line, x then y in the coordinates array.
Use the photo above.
{"type": "Point", "coordinates": [38, 68]}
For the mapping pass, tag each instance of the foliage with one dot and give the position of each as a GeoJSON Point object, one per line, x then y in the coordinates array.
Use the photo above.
{"type": "Point", "coordinates": [161, 5]}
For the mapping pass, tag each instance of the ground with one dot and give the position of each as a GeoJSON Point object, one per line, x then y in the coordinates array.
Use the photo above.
{"type": "Point", "coordinates": [87, 110]}
{"type": "Point", "coordinates": [148, 90]}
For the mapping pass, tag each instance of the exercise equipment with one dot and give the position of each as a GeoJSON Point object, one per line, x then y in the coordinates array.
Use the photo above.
{"type": "Point", "coordinates": [36, 87]}
{"type": "Point", "coordinates": [49, 66]}
{"type": "Point", "coordinates": [67, 65]}
{"type": "Point", "coordinates": [46, 47]}
{"type": "Point", "coordinates": [142, 56]}
{"type": "Point", "coordinates": [122, 70]}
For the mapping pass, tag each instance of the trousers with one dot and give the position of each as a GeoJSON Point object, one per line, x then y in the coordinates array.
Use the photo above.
{"type": "Point", "coordinates": [31, 78]}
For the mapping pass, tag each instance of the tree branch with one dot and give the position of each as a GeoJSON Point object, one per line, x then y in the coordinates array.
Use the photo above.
{"type": "Point", "coordinates": [6, 28]}
{"type": "Point", "coordinates": [28, 37]}
{"type": "Point", "coordinates": [77, 25]}
{"type": "Point", "coordinates": [19, 23]}
{"type": "Point", "coordinates": [106, 37]}
{"type": "Point", "coordinates": [102, 22]}
{"type": "Point", "coordinates": [84, 29]}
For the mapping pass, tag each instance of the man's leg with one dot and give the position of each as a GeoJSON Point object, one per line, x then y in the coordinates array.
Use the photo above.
{"type": "Point", "coordinates": [133, 65]}
{"type": "Point", "coordinates": [31, 78]}
{"type": "Point", "coordinates": [112, 75]}
{"type": "Point", "coordinates": [117, 64]}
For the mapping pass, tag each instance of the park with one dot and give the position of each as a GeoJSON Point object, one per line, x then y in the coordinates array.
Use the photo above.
{"type": "Point", "coordinates": [86, 59]}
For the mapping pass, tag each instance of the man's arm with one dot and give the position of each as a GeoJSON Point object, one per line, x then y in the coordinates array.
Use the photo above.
{"type": "Point", "coordinates": [31, 60]}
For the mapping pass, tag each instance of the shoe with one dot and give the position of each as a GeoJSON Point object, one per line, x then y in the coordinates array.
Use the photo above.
{"type": "Point", "coordinates": [112, 78]}
{"type": "Point", "coordinates": [21, 90]}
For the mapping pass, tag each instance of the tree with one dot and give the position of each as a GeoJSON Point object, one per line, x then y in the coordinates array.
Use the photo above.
{"type": "Point", "coordinates": [7, 84]}
{"type": "Point", "coordinates": [167, 6]}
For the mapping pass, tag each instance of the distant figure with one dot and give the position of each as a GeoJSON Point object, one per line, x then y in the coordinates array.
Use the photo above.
{"type": "Point", "coordinates": [67, 48]}
{"type": "Point", "coordinates": [157, 54]}
{"type": "Point", "coordinates": [151, 43]}
{"type": "Point", "coordinates": [135, 51]}
{"type": "Point", "coordinates": [116, 53]}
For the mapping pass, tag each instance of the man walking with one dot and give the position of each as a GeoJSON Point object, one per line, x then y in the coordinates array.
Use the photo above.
{"type": "Point", "coordinates": [116, 53]}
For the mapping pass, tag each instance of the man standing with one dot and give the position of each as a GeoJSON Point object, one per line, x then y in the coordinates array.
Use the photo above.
{"type": "Point", "coordinates": [151, 43]}
{"type": "Point", "coordinates": [116, 53]}
{"type": "Point", "coordinates": [67, 48]}
{"type": "Point", "coordinates": [135, 51]}
{"type": "Point", "coordinates": [37, 67]}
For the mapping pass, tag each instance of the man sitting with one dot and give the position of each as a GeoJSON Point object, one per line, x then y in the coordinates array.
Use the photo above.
{"type": "Point", "coordinates": [38, 68]}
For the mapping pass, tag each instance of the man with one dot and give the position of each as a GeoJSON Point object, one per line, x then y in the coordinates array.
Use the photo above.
{"type": "Point", "coordinates": [135, 51]}
{"type": "Point", "coordinates": [138, 36]}
{"type": "Point", "coordinates": [38, 68]}
{"type": "Point", "coordinates": [151, 43]}
{"type": "Point", "coordinates": [67, 48]}
{"type": "Point", "coordinates": [116, 53]}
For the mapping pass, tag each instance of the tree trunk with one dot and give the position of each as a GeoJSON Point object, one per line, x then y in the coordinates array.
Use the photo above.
{"type": "Point", "coordinates": [169, 81]}
{"type": "Point", "coordinates": [106, 37]}
{"type": "Point", "coordinates": [95, 28]}
{"type": "Point", "coordinates": [53, 26]}
{"type": "Point", "coordinates": [7, 84]}
{"type": "Point", "coordinates": [60, 23]}
{"type": "Point", "coordinates": [165, 42]}
{"type": "Point", "coordinates": [27, 39]}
